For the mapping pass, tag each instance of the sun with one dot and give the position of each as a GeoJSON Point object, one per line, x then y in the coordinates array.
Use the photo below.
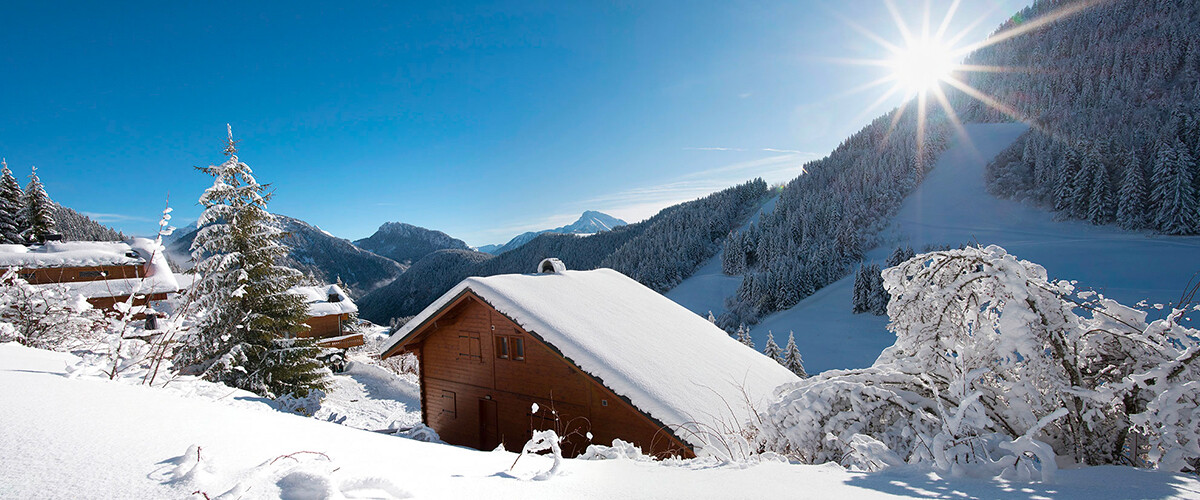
{"type": "Point", "coordinates": [923, 65]}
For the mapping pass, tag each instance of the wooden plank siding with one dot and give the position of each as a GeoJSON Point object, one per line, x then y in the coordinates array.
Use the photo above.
{"type": "Point", "coordinates": [43, 275]}
{"type": "Point", "coordinates": [324, 326]}
{"type": "Point", "coordinates": [464, 380]}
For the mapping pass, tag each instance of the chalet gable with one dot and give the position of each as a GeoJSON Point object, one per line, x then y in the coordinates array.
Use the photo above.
{"type": "Point", "coordinates": [669, 363]}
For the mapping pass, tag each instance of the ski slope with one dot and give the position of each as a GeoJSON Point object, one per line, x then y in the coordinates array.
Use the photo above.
{"type": "Point", "coordinates": [952, 207]}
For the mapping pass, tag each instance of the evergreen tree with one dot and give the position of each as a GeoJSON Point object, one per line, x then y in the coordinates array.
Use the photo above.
{"type": "Point", "coordinates": [1100, 203]}
{"type": "Point", "coordinates": [1131, 199]}
{"type": "Point", "coordinates": [860, 301]}
{"type": "Point", "coordinates": [877, 298]}
{"type": "Point", "coordinates": [10, 206]}
{"type": "Point", "coordinates": [744, 337]}
{"type": "Point", "coordinates": [899, 255]}
{"type": "Point", "coordinates": [245, 336]}
{"type": "Point", "coordinates": [791, 357]}
{"type": "Point", "coordinates": [712, 319]}
{"type": "Point", "coordinates": [1173, 192]}
{"type": "Point", "coordinates": [37, 214]}
{"type": "Point", "coordinates": [772, 349]}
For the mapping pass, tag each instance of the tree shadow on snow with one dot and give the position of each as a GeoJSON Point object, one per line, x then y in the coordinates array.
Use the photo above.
{"type": "Point", "coordinates": [1088, 484]}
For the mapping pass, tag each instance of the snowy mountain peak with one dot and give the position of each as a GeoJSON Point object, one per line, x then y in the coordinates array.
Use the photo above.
{"type": "Point", "coordinates": [590, 222]}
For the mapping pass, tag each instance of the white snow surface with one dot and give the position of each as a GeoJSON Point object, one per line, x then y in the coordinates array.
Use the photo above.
{"type": "Point", "coordinates": [74, 254]}
{"type": "Point", "coordinates": [671, 363]}
{"type": "Point", "coordinates": [317, 299]}
{"type": "Point", "coordinates": [75, 438]}
{"type": "Point", "coordinates": [366, 396]}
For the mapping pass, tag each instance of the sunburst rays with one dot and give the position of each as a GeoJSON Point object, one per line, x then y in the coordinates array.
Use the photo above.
{"type": "Point", "coordinates": [928, 60]}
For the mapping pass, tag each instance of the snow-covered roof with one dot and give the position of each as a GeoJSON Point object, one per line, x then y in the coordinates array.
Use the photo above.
{"type": "Point", "coordinates": [71, 254]}
{"type": "Point", "coordinates": [672, 364]}
{"type": "Point", "coordinates": [158, 277]}
{"type": "Point", "coordinates": [317, 298]}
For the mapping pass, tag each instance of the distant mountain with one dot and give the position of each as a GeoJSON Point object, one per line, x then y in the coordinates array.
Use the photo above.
{"type": "Point", "coordinates": [590, 222]}
{"type": "Point", "coordinates": [316, 253]}
{"type": "Point", "coordinates": [659, 252]}
{"type": "Point", "coordinates": [406, 243]}
{"type": "Point", "coordinates": [425, 281]}
{"type": "Point", "coordinates": [74, 226]}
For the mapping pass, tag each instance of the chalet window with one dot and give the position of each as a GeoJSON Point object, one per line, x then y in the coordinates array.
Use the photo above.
{"type": "Point", "coordinates": [518, 348]}
{"type": "Point", "coordinates": [91, 274]}
{"type": "Point", "coordinates": [469, 347]}
{"type": "Point", "coordinates": [27, 276]}
{"type": "Point", "coordinates": [450, 404]}
{"type": "Point", "coordinates": [510, 348]}
{"type": "Point", "coordinates": [502, 347]}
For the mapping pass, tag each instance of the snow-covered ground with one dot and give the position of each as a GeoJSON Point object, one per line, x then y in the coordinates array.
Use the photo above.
{"type": "Point", "coordinates": [952, 207]}
{"type": "Point", "coordinates": [86, 437]}
{"type": "Point", "coordinates": [366, 396]}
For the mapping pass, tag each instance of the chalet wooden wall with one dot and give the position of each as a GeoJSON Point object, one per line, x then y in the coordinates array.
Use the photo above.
{"type": "Point", "coordinates": [324, 326]}
{"type": "Point", "coordinates": [37, 276]}
{"type": "Point", "coordinates": [472, 397]}
{"type": "Point", "coordinates": [107, 303]}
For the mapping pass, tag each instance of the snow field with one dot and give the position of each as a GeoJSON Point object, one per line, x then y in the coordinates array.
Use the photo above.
{"type": "Point", "coordinates": [88, 438]}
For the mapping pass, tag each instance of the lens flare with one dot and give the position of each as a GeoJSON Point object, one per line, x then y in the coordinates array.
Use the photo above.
{"type": "Point", "coordinates": [923, 65]}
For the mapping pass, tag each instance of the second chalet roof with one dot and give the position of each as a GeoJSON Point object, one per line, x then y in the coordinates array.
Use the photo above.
{"type": "Point", "coordinates": [669, 362]}
{"type": "Point", "coordinates": [70, 254]}
{"type": "Point", "coordinates": [317, 298]}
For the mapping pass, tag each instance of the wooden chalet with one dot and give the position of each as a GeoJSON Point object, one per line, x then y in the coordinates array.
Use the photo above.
{"type": "Point", "coordinates": [103, 272]}
{"type": "Point", "coordinates": [596, 351]}
{"type": "Point", "coordinates": [330, 311]}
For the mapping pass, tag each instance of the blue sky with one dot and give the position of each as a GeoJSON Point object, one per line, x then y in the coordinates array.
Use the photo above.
{"type": "Point", "coordinates": [478, 119]}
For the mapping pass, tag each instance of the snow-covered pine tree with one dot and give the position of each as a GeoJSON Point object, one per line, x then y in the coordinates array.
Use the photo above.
{"type": "Point", "coordinates": [1100, 201]}
{"type": "Point", "coordinates": [1174, 194]}
{"type": "Point", "coordinates": [1064, 187]}
{"type": "Point", "coordinates": [899, 255]}
{"type": "Point", "coordinates": [791, 357]}
{"type": "Point", "coordinates": [772, 349]}
{"type": "Point", "coordinates": [1131, 199]}
{"type": "Point", "coordinates": [878, 297]}
{"type": "Point", "coordinates": [743, 336]}
{"type": "Point", "coordinates": [860, 302]}
{"type": "Point", "coordinates": [712, 319]}
{"type": "Point", "coordinates": [37, 212]}
{"type": "Point", "coordinates": [245, 335]}
{"type": "Point", "coordinates": [10, 206]}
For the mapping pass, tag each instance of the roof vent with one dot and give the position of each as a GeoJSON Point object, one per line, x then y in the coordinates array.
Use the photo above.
{"type": "Point", "coordinates": [551, 266]}
{"type": "Point", "coordinates": [334, 297]}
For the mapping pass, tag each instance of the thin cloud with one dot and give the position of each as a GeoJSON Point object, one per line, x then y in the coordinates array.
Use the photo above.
{"type": "Point", "coordinates": [713, 149]}
{"type": "Point", "coordinates": [105, 217]}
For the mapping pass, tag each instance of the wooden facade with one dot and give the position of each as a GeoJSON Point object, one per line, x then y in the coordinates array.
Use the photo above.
{"type": "Point", "coordinates": [44, 275]}
{"type": "Point", "coordinates": [330, 327]}
{"type": "Point", "coordinates": [79, 274]}
{"type": "Point", "coordinates": [481, 373]}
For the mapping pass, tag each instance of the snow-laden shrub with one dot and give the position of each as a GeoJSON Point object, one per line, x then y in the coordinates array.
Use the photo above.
{"type": "Point", "coordinates": [996, 369]}
{"type": "Point", "coordinates": [46, 316]}
{"type": "Point", "coordinates": [620, 450]}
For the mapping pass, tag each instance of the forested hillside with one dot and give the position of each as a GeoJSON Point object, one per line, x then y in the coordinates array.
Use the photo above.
{"type": "Point", "coordinates": [1114, 93]}
{"type": "Point", "coordinates": [828, 217]}
{"type": "Point", "coordinates": [659, 252]}
{"type": "Point", "coordinates": [74, 226]}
